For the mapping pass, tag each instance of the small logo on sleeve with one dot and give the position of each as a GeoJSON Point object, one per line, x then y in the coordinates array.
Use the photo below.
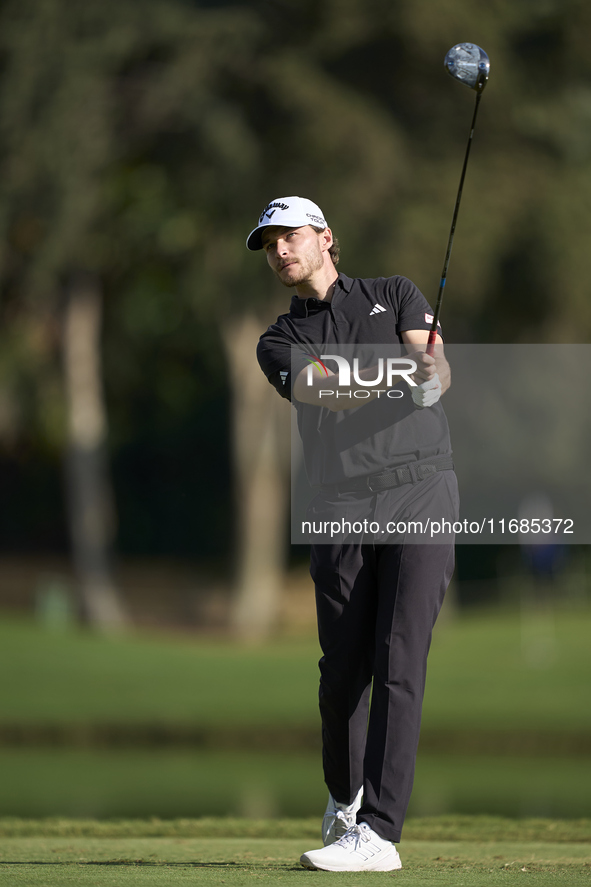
{"type": "Point", "coordinates": [429, 319]}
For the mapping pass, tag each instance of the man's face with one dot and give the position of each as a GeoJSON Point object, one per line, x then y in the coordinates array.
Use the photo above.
{"type": "Point", "coordinates": [294, 254]}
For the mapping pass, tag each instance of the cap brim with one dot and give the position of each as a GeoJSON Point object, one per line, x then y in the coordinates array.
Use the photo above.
{"type": "Point", "coordinates": [254, 240]}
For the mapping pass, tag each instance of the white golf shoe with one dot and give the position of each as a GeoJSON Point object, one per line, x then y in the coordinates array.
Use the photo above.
{"type": "Point", "coordinates": [359, 850]}
{"type": "Point", "coordinates": [338, 818]}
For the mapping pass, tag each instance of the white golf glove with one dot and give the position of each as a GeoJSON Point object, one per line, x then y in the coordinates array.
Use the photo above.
{"type": "Point", "coordinates": [428, 393]}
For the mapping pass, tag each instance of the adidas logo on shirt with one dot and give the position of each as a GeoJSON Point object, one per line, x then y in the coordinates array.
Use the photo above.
{"type": "Point", "coordinates": [377, 309]}
{"type": "Point", "coordinates": [284, 376]}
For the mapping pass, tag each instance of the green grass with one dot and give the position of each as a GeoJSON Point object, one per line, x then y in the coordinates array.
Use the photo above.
{"type": "Point", "coordinates": [79, 677]}
{"type": "Point", "coordinates": [499, 670]}
{"type": "Point", "coordinates": [477, 829]}
{"type": "Point", "coordinates": [477, 852]}
{"type": "Point", "coordinates": [480, 676]}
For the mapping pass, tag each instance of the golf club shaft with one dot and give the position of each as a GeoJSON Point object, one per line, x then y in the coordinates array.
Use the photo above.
{"type": "Point", "coordinates": [433, 331]}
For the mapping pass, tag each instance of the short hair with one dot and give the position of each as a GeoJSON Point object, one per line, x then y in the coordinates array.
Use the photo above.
{"type": "Point", "coordinates": [334, 251]}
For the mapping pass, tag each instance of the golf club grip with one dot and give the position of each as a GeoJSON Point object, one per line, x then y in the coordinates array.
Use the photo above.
{"type": "Point", "coordinates": [431, 342]}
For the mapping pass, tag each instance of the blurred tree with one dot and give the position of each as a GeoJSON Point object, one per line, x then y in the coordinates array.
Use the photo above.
{"type": "Point", "coordinates": [89, 500]}
{"type": "Point", "coordinates": [56, 140]}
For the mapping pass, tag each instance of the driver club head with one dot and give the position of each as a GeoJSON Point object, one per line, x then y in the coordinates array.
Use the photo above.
{"type": "Point", "coordinates": [469, 64]}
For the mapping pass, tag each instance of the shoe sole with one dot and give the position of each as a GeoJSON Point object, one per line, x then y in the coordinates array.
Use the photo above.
{"type": "Point", "coordinates": [390, 864]}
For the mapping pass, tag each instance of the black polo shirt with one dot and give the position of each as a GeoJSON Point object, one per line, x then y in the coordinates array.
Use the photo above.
{"type": "Point", "coordinates": [376, 435]}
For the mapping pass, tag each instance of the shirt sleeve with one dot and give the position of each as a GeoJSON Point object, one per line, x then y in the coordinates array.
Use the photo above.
{"type": "Point", "coordinates": [414, 312]}
{"type": "Point", "coordinates": [280, 359]}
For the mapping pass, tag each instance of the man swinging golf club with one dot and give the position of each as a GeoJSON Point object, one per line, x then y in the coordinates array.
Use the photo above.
{"type": "Point", "coordinates": [376, 603]}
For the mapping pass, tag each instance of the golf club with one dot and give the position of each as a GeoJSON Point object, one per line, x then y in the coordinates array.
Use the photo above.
{"type": "Point", "coordinates": [469, 64]}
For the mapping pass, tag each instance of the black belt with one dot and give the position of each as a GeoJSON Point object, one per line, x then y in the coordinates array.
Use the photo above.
{"type": "Point", "coordinates": [411, 473]}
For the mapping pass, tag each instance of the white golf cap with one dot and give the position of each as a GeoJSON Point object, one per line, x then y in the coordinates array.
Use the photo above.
{"type": "Point", "coordinates": [288, 212]}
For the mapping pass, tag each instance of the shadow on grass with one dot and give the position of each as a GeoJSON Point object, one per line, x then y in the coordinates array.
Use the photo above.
{"type": "Point", "coordinates": [137, 863]}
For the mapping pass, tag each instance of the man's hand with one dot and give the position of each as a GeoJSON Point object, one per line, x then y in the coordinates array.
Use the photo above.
{"type": "Point", "coordinates": [429, 388]}
{"type": "Point", "coordinates": [427, 393]}
{"type": "Point", "coordinates": [426, 368]}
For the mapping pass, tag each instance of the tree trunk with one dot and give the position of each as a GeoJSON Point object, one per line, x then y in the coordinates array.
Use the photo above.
{"type": "Point", "coordinates": [261, 428]}
{"type": "Point", "coordinates": [88, 490]}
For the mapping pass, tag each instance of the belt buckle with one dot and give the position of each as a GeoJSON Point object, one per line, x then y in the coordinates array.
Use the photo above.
{"type": "Point", "coordinates": [369, 486]}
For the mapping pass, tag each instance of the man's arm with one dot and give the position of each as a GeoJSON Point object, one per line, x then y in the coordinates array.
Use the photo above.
{"type": "Point", "coordinates": [317, 392]}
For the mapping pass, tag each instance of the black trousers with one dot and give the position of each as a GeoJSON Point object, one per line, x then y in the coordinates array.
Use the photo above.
{"type": "Point", "coordinates": [376, 607]}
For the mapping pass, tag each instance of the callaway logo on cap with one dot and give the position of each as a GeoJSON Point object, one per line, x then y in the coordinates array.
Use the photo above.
{"type": "Point", "coordinates": [288, 212]}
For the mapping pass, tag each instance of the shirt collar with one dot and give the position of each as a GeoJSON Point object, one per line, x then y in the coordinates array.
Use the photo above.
{"type": "Point", "coordinates": [303, 307]}
{"type": "Point", "coordinates": [345, 282]}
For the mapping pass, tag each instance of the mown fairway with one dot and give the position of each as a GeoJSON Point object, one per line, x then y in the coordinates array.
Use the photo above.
{"type": "Point", "coordinates": [38, 854]}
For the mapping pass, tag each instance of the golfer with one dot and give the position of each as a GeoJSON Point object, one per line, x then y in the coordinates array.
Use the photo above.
{"type": "Point", "coordinates": [376, 603]}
